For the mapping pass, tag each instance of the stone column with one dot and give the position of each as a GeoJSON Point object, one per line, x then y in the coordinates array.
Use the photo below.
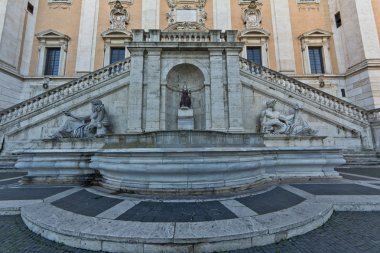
{"type": "Point", "coordinates": [235, 113]}
{"type": "Point", "coordinates": [217, 98]}
{"type": "Point", "coordinates": [152, 80]}
{"type": "Point", "coordinates": [135, 91]}
{"type": "Point", "coordinates": [222, 14]}
{"type": "Point", "coordinates": [283, 37]}
{"type": "Point", "coordinates": [87, 36]}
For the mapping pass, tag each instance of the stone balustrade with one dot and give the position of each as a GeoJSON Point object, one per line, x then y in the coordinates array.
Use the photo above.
{"type": "Point", "coordinates": [310, 93]}
{"type": "Point", "coordinates": [184, 36]}
{"type": "Point", "coordinates": [61, 92]}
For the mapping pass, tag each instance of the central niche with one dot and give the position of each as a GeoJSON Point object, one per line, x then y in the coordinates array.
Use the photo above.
{"type": "Point", "coordinates": [190, 77]}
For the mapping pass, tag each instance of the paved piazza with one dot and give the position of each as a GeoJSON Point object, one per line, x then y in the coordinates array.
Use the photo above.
{"type": "Point", "coordinates": [344, 232]}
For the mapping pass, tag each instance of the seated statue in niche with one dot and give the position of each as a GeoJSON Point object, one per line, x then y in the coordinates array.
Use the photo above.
{"type": "Point", "coordinates": [94, 125]}
{"type": "Point", "coordinates": [185, 98]}
{"type": "Point", "coordinates": [273, 122]}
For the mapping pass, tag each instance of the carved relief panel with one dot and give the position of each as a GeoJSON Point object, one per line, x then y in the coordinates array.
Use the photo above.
{"type": "Point", "coordinates": [252, 15]}
{"type": "Point", "coordinates": [187, 11]}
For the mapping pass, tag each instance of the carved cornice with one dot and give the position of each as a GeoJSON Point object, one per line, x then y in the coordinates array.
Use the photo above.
{"type": "Point", "coordinates": [186, 26]}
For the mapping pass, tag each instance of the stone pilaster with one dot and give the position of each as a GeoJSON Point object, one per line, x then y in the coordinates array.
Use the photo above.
{"type": "Point", "coordinates": [234, 91]}
{"type": "Point", "coordinates": [3, 11]}
{"type": "Point", "coordinates": [283, 36]}
{"type": "Point", "coordinates": [150, 14]}
{"type": "Point", "coordinates": [222, 14]}
{"type": "Point", "coordinates": [135, 91]}
{"type": "Point", "coordinates": [87, 36]}
{"type": "Point", "coordinates": [217, 96]}
{"type": "Point", "coordinates": [152, 80]}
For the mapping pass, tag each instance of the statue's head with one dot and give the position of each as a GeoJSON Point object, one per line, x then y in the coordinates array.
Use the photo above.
{"type": "Point", "coordinates": [97, 105]}
{"type": "Point", "coordinates": [271, 104]}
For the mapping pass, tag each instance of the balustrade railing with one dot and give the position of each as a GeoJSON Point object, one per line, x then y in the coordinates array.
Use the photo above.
{"type": "Point", "coordinates": [185, 37]}
{"type": "Point", "coordinates": [310, 93]}
{"type": "Point", "coordinates": [63, 91]}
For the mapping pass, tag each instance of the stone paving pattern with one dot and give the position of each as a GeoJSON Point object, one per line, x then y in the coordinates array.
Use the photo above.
{"type": "Point", "coordinates": [177, 212]}
{"type": "Point", "coordinates": [86, 203]}
{"type": "Point", "coordinates": [348, 232]}
{"type": "Point", "coordinates": [280, 199]}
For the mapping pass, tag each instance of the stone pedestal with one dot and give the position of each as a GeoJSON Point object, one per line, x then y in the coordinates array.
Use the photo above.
{"type": "Point", "coordinates": [185, 118]}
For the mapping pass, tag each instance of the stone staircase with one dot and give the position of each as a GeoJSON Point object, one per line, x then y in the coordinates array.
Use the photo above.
{"type": "Point", "coordinates": [361, 160]}
{"type": "Point", "coordinates": [64, 91]}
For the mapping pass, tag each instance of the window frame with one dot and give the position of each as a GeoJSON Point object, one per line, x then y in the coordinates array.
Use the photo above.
{"type": "Point", "coordinates": [46, 59]}
{"type": "Point", "coordinates": [52, 39]}
{"type": "Point", "coordinates": [316, 38]}
{"type": "Point", "coordinates": [256, 37]}
{"type": "Point", "coordinates": [320, 57]}
{"type": "Point", "coordinates": [116, 48]}
{"type": "Point", "coordinates": [259, 50]}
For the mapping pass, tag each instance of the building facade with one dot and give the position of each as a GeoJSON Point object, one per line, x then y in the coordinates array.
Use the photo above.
{"type": "Point", "coordinates": [332, 45]}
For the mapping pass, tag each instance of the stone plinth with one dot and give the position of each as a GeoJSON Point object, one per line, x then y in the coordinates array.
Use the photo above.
{"type": "Point", "coordinates": [185, 118]}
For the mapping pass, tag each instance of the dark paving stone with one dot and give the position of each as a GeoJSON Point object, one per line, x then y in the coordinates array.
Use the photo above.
{"type": "Point", "coordinates": [15, 237]}
{"type": "Point", "coordinates": [369, 172]}
{"type": "Point", "coordinates": [337, 189]}
{"type": "Point", "coordinates": [348, 232]}
{"type": "Point", "coordinates": [5, 175]}
{"type": "Point", "coordinates": [177, 212]}
{"type": "Point", "coordinates": [28, 193]}
{"type": "Point", "coordinates": [355, 178]}
{"type": "Point", "coordinates": [10, 181]}
{"type": "Point", "coordinates": [271, 201]}
{"type": "Point", "coordinates": [86, 203]}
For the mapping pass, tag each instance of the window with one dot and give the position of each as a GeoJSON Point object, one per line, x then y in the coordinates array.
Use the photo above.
{"type": "Point", "coordinates": [52, 61]}
{"type": "Point", "coordinates": [254, 54]}
{"type": "Point", "coordinates": [316, 60]}
{"type": "Point", "coordinates": [338, 20]}
{"type": "Point", "coordinates": [52, 53]}
{"type": "Point", "coordinates": [117, 54]}
{"type": "Point", "coordinates": [316, 55]}
{"type": "Point", "coordinates": [30, 8]}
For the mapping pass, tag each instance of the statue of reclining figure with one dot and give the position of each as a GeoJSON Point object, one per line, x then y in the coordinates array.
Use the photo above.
{"type": "Point", "coordinates": [273, 122]}
{"type": "Point", "coordinates": [94, 125]}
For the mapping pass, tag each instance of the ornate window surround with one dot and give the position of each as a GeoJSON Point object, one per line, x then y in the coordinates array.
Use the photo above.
{"type": "Point", "coordinates": [115, 39]}
{"type": "Point", "coordinates": [51, 38]}
{"type": "Point", "coordinates": [256, 37]}
{"type": "Point", "coordinates": [117, 34]}
{"type": "Point", "coordinates": [316, 38]}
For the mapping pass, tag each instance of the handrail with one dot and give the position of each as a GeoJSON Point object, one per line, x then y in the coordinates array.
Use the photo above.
{"type": "Point", "coordinates": [51, 96]}
{"type": "Point", "coordinates": [304, 90]}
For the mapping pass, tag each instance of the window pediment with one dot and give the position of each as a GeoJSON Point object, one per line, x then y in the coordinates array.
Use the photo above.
{"type": "Point", "coordinates": [116, 34]}
{"type": "Point", "coordinates": [315, 33]}
{"type": "Point", "coordinates": [52, 34]}
{"type": "Point", "coordinates": [254, 33]}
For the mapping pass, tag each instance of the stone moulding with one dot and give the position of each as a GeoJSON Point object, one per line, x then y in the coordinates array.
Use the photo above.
{"type": "Point", "coordinates": [180, 170]}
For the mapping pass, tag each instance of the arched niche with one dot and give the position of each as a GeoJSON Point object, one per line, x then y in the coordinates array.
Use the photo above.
{"type": "Point", "coordinates": [180, 76]}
